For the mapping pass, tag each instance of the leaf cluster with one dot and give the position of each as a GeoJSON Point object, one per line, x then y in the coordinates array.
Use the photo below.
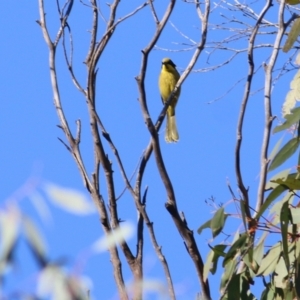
{"type": "Point", "coordinates": [245, 259]}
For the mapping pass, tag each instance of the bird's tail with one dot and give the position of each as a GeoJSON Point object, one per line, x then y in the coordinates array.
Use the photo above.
{"type": "Point", "coordinates": [171, 130]}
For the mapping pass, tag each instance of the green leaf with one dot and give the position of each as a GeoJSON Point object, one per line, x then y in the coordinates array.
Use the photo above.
{"type": "Point", "coordinates": [271, 197]}
{"type": "Point", "coordinates": [35, 240]}
{"type": "Point", "coordinates": [295, 212]}
{"type": "Point", "coordinates": [217, 222]}
{"type": "Point", "coordinates": [297, 250]}
{"type": "Point", "coordinates": [284, 153]}
{"type": "Point", "coordinates": [213, 258]}
{"type": "Point", "coordinates": [250, 263]}
{"type": "Point", "coordinates": [291, 119]}
{"type": "Point", "coordinates": [276, 209]}
{"type": "Point", "coordinates": [237, 246]}
{"type": "Point", "coordinates": [9, 226]}
{"type": "Point", "coordinates": [292, 35]}
{"type": "Point", "coordinates": [297, 274]}
{"type": "Point", "coordinates": [245, 289]}
{"type": "Point", "coordinates": [276, 148]}
{"type": "Point", "coordinates": [286, 184]}
{"type": "Point", "coordinates": [115, 237]}
{"type": "Point", "coordinates": [268, 293]}
{"type": "Point", "coordinates": [292, 2]}
{"type": "Point", "coordinates": [233, 290]}
{"type": "Point", "coordinates": [203, 226]}
{"type": "Point", "coordinates": [289, 294]}
{"type": "Point", "coordinates": [289, 102]}
{"type": "Point", "coordinates": [69, 199]}
{"type": "Point", "coordinates": [281, 273]}
{"type": "Point", "coordinates": [290, 183]}
{"type": "Point", "coordinates": [284, 222]}
{"type": "Point", "coordinates": [258, 252]}
{"type": "Point", "coordinates": [208, 264]}
{"type": "Point", "coordinates": [269, 262]}
{"type": "Point", "coordinates": [229, 269]}
{"type": "Point", "coordinates": [279, 294]}
{"type": "Point", "coordinates": [298, 166]}
{"type": "Point", "coordinates": [242, 205]}
{"type": "Point", "coordinates": [292, 246]}
{"type": "Point", "coordinates": [41, 206]}
{"type": "Point", "coordinates": [218, 250]}
{"type": "Point", "coordinates": [146, 285]}
{"type": "Point", "coordinates": [236, 236]}
{"type": "Point", "coordinates": [271, 184]}
{"type": "Point", "coordinates": [54, 283]}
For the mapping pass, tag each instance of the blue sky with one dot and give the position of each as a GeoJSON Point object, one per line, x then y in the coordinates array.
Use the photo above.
{"type": "Point", "coordinates": [199, 164]}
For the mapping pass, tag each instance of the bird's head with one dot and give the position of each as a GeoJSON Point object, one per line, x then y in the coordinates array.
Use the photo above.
{"type": "Point", "coordinates": [168, 62]}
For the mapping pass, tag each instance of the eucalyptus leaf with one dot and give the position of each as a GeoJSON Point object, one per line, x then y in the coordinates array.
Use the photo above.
{"type": "Point", "coordinates": [284, 153]}
{"type": "Point", "coordinates": [276, 148]}
{"type": "Point", "coordinates": [281, 273]}
{"type": "Point", "coordinates": [291, 119]}
{"type": "Point", "coordinates": [295, 212]}
{"type": "Point", "coordinates": [297, 274]}
{"type": "Point", "coordinates": [268, 293]}
{"type": "Point", "coordinates": [269, 262]}
{"type": "Point", "coordinates": [208, 264]}
{"type": "Point", "coordinates": [284, 223]}
{"type": "Point", "coordinates": [35, 240]}
{"type": "Point", "coordinates": [9, 227]}
{"type": "Point", "coordinates": [270, 198]}
{"type": "Point", "coordinates": [217, 222]}
{"type": "Point", "coordinates": [271, 184]}
{"type": "Point", "coordinates": [290, 183]}
{"type": "Point", "coordinates": [258, 252]}
{"type": "Point", "coordinates": [218, 251]}
{"type": "Point", "coordinates": [233, 290]}
{"type": "Point", "coordinates": [294, 32]}
{"type": "Point", "coordinates": [237, 246]}
{"type": "Point", "coordinates": [70, 200]}
{"type": "Point", "coordinates": [242, 206]}
{"type": "Point", "coordinates": [289, 294]}
{"type": "Point", "coordinates": [228, 271]}
{"type": "Point", "coordinates": [203, 226]}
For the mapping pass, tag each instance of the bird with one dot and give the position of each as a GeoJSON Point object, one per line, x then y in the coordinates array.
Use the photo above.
{"type": "Point", "coordinates": [167, 81]}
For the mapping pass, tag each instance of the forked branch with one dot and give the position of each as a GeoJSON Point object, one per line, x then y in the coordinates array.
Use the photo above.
{"type": "Point", "coordinates": [171, 206]}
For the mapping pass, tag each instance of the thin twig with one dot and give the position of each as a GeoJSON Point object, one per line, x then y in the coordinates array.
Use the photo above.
{"type": "Point", "coordinates": [69, 61]}
{"type": "Point", "coordinates": [153, 12]}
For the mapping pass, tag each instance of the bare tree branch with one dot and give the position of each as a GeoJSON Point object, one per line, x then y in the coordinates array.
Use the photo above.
{"type": "Point", "coordinates": [268, 111]}
{"type": "Point", "coordinates": [94, 30]}
{"type": "Point", "coordinates": [247, 90]}
{"type": "Point", "coordinates": [100, 156]}
{"type": "Point", "coordinates": [57, 103]}
{"type": "Point", "coordinates": [171, 206]}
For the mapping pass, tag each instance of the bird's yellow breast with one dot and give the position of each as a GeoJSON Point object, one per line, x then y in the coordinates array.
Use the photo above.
{"type": "Point", "coordinates": [167, 81]}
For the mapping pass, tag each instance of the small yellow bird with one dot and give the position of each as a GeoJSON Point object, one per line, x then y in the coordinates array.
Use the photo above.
{"type": "Point", "coordinates": [167, 80]}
